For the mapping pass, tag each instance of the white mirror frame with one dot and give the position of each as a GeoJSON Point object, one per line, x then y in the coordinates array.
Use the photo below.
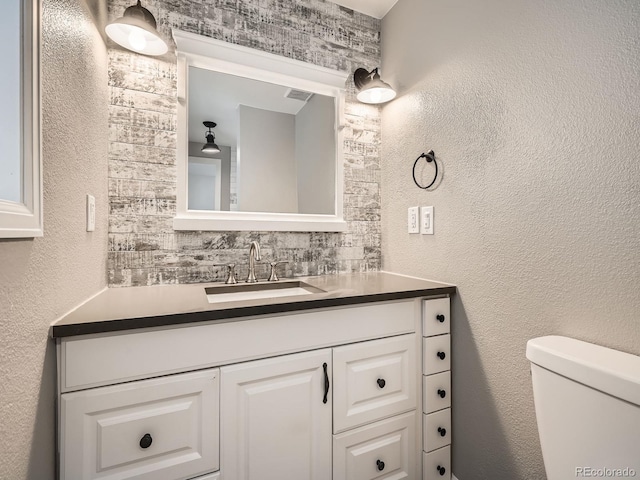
{"type": "Point", "coordinates": [203, 52]}
{"type": "Point", "coordinates": [24, 220]}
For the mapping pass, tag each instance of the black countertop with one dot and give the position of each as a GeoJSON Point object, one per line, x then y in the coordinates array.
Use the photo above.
{"type": "Point", "coordinates": [128, 308]}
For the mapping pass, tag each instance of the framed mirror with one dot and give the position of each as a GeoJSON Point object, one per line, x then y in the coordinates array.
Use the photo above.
{"type": "Point", "coordinates": [20, 180]}
{"type": "Point", "coordinates": [259, 140]}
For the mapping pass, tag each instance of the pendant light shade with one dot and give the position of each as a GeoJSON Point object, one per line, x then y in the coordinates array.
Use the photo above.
{"type": "Point", "coordinates": [372, 88]}
{"type": "Point", "coordinates": [136, 31]}
{"type": "Point", "coordinates": [210, 146]}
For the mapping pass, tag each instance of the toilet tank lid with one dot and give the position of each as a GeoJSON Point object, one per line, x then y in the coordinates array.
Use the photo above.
{"type": "Point", "coordinates": [616, 373]}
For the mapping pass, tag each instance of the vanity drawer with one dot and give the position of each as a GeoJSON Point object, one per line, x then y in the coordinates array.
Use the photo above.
{"type": "Point", "coordinates": [161, 428]}
{"type": "Point", "coordinates": [436, 392]}
{"type": "Point", "coordinates": [92, 361]}
{"type": "Point", "coordinates": [436, 465]}
{"type": "Point", "coordinates": [435, 317]}
{"type": "Point", "coordinates": [436, 354]}
{"type": "Point", "coordinates": [373, 380]}
{"type": "Point", "coordinates": [209, 476]}
{"type": "Point", "coordinates": [385, 449]}
{"type": "Point", "coordinates": [436, 430]}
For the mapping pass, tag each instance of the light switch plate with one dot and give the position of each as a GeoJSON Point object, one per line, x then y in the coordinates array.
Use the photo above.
{"type": "Point", "coordinates": [413, 220]}
{"type": "Point", "coordinates": [426, 220]}
{"type": "Point", "coordinates": [91, 213]}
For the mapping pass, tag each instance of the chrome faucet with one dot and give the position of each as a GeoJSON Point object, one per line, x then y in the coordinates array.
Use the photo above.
{"type": "Point", "coordinates": [254, 254]}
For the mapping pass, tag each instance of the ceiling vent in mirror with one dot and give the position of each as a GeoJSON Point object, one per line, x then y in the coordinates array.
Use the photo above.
{"type": "Point", "coordinates": [301, 95]}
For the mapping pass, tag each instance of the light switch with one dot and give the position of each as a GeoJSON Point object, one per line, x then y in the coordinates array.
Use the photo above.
{"type": "Point", "coordinates": [91, 213]}
{"type": "Point", "coordinates": [426, 220]}
{"type": "Point", "coordinates": [412, 220]}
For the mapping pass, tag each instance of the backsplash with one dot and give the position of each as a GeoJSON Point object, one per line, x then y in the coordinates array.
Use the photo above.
{"type": "Point", "coordinates": [143, 247]}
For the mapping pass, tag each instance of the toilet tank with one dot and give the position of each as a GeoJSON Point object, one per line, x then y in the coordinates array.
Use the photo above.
{"type": "Point", "coordinates": [587, 401]}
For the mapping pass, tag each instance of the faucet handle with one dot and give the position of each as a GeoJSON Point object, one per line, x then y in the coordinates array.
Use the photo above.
{"type": "Point", "coordinates": [273, 276]}
{"type": "Point", "coordinates": [231, 272]}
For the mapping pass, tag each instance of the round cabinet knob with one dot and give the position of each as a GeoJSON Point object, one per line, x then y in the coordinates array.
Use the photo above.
{"type": "Point", "coordinates": [441, 355]}
{"type": "Point", "coordinates": [442, 393]}
{"type": "Point", "coordinates": [381, 382]}
{"type": "Point", "coordinates": [380, 465]}
{"type": "Point", "coordinates": [441, 470]}
{"type": "Point", "coordinates": [442, 431]}
{"type": "Point", "coordinates": [146, 441]}
{"type": "Point", "coordinates": [440, 317]}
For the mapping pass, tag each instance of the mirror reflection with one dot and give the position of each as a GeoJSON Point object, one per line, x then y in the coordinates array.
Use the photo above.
{"type": "Point", "coordinates": [277, 146]}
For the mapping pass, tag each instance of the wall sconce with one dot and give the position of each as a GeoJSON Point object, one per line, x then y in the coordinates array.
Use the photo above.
{"type": "Point", "coordinates": [210, 146]}
{"type": "Point", "coordinates": [136, 31]}
{"type": "Point", "coordinates": [372, 88]}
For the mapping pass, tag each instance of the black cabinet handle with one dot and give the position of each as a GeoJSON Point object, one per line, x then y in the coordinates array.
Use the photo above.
{"type": "Point", "coordinates": [380, 465]}
{"type": "Point", "coordinates": [442, 393]}
{"type": "Point", "coordinates": [381, 382]}
{"type": "Point", "coordinates": [440, 318]}
{"type": "Point", "coordinates": [441, 355]}
{"type": "Point", "coordinates": [442, 431]}
{"type": "Point", "coordinates": [441, 470]}
{"type": "Point", "coordinates": [326, 383]}
{"type": "Point", "coordinates": [146, 441]}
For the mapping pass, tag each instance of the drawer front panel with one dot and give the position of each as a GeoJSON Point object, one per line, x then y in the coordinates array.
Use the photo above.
{"type": "Point", "coordinates": [436, 354]}
{"type": "Point", "coordinates": [436, 392]}
{"type": "Point", "coordinates": [373, 380]}
{"type": "Point", "coordinates": [436, 465]}
{"type": "Point", "coordinates": [88, 361]}
{"type": "Point", "coordinates": [382, 450]}
{"type": "Point", "coordinates": [210, 476]}
{"type": "Point", "coordinates": [435, 317]}
{"type": "Point", "coordinates": [436, 430]}
{"type": "Point", "coordinates": [162, 428]}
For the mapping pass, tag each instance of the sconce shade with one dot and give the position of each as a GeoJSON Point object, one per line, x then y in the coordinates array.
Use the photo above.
{"type": "Point", "coordinates": [210, 146]}
{"type": "Point", "coordinates": [136, 31]}
{"type": "Point", "coordinates": [372, 88]}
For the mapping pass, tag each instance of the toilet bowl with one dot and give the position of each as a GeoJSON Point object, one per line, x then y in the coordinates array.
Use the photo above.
{"type": "Point", "coordinates": [587, 403]}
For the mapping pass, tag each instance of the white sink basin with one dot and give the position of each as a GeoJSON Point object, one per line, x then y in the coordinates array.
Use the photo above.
{"type": "Point", "coordinates": [254, 291]}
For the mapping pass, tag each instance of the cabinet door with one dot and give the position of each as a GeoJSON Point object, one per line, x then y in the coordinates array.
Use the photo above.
{"type": "Point", "coordinates": [165, 428]}
{"type": "Point", "coordinates": [373, 380]}
{"type": "Point", "coordinates": [276, 418]}
{"type": "Point", "coordinates": [385, 450]}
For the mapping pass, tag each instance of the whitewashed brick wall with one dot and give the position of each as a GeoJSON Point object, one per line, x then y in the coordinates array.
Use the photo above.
{"type": "Point", "coordinates": [143, 247]}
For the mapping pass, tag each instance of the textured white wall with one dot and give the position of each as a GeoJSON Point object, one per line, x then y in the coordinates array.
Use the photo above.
{"type": "Point", "coordinates": [43, 278]}
{"type": "Point", "coordinates": [532, 109]}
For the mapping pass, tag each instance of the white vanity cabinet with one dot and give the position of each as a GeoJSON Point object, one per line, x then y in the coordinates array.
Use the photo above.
{"type": "Point", "coordinates": [436, 385]}
{"type": "Point", "coordinates": [276, 418]}
{"type": "Point", "coordinates": [322, 394]}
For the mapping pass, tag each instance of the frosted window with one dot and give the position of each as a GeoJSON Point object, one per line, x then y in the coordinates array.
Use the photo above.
{"type": "Point", "coordinates": [10, 103]}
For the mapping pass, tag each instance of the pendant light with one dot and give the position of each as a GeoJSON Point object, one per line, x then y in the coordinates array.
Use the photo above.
{"type": "Point", "coordinates": [136, 31]}
{"type": "Point", "coordinates": [371, 87]}
{"type": "Point", "coordinates": [210, 146]}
